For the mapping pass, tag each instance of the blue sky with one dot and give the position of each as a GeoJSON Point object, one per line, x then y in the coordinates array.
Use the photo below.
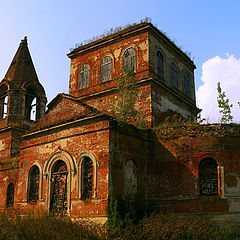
{"type": "Point", "coordinates": [205, 28]}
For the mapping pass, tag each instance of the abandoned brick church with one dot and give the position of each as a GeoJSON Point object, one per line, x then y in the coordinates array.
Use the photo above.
{"type": "Point", "coordinates": [73, 156]}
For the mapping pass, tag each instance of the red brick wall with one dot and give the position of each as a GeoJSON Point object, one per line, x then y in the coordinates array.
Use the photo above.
{"type": "Point", "coordinates": [128, 154]}
{"type": "Point", "coordinates": [172, 174]}
{"type": "Point", "coordinates": [114, 50]}
{"type": "Point", "coordinates": [91, 137]}
{"type": "Point", "coordinates": [100, 95]}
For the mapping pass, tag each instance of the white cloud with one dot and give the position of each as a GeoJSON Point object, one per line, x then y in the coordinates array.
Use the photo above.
{"type": "Point", "coordinates": [227, 72]}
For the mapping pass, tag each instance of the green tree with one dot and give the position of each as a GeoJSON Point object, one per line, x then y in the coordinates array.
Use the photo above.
{"type": "Point", "coordinates": [224, 106]}
{"type": "Point", "coordinates": [124, 104]}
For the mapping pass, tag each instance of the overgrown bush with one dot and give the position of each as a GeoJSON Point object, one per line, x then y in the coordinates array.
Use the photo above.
{"type": "Point", "coordinates": [169, 227]}
{"type": "Point", "coordinates": [45, 227]}
{"type": "Point", "coordinates": [158, 226]}
{"type": "Point", "coordinates": [124, 109]}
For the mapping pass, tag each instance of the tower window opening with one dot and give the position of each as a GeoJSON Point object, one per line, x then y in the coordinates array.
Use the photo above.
{"type": "Point", "coordinates": [186, 83]}
{"type": "Point", "coordinates": [106, 69]}
{"type": "Point", "coordinates": [84, 76]}
{"type": "Point", "coordinates": [3, 101]}
{"type": "Point", "coordinates": [174, 75]}
{"type": "Point", "coordinates": [5, 106]}
{"type": "Point", "coordinates": [160, 65]}
{"type": "Point", "coordinates": [33, 110]}
{"type": "Point", "coordinates": [129, 60]}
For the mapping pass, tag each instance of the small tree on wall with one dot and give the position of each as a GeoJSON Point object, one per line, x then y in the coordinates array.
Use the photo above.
{"type": "Point", "coordinates": [224, 106]}
{"type": "Point", "coordinates": [124, 104]}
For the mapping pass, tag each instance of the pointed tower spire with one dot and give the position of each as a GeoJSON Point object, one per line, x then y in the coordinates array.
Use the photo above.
{"type": "Point", "coordinates": [21, 68]}
{"type": "Point", "coordinates": [22, 97]}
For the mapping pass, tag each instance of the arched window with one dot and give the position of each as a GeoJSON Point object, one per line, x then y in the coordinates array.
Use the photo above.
{"type": "Point", "coordinates": [10, 195]}
{"type": "Point", "coordinates": [58, 202]}
{"type": "Point", "coordinates": [208, 177]}
{"type": "Point", "coordinates": [3, 101]}
{"type": "Point", "coordinates": [87, 178]}
{"type": "Point", "coordinates": [33, 109]}
{"type": "Point", "coordinates": [186, 83]}
{"type": "Point", "coordinates": [5, 106]}
{"type": "Point", "coordinates": [174, 75]}
{"type": "Point", "coordinates": [105, 69]}
{"type": "Point", "coordinates": [129, 61]}
{"type": "Point", "coordinates": [84, 76]}
{"type": "Point", "coordinates": [33, 184]}
{"type": "Point", "coordinates": [31, 104]}
{"type": "Point", "coordinates": [160, 65]}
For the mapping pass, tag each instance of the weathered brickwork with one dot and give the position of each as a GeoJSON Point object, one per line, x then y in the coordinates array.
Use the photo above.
{"type": "Point", "coordinates": [146, 42]}
{"type": "Point", "coordinates": [71, 158]}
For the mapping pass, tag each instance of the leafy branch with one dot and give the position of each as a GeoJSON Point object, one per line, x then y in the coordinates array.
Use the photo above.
{"type": "Point", "coordinates": [224, 106]}
{"type": "Point", "coordinates": [124, 104]}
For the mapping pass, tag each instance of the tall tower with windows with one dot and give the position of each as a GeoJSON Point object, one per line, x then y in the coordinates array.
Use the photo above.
{"type": "Point", "coordinates": [22, 101]}
{"type": "Point", "coordinates": [22, 97]}
{"type": "Point", "coordinates": [164, 73]}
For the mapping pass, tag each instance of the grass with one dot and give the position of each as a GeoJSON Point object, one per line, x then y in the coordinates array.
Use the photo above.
{"type": "Point", "coordinates": [158, 226]}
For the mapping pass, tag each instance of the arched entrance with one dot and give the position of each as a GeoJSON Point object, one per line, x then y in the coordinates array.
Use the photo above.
{"type": "Point", "coordinates": [59, 183]}
{"type": "Point", "coordinates": [208, 177]}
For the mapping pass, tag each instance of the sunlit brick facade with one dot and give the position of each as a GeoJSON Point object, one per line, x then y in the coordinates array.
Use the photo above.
{"type": "Point", "coordinates": [72, 157]}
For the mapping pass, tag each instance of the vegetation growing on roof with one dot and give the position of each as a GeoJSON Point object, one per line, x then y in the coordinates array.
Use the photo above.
{"type": "Point", "coordinates": [110, 32]}
{"type": "Point", "coordinates": [180, 129]}
{"type": "Point", "coordinates": [125, 28]}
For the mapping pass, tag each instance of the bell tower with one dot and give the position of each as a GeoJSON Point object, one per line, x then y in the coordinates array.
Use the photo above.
{"type": "Point", "coordinates": [22, 97]}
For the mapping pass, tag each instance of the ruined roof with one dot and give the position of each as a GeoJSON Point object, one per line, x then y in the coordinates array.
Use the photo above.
{"type": "Point", "coordinates": [172, 131]}
{"type": "Point", "coordinates": [21, 68]}
{"type": "Point", "coordinates": [125, 33]}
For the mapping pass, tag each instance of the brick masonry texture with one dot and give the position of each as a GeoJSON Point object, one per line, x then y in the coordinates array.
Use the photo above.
{"type": "Point", "coordinates": [142, 167]}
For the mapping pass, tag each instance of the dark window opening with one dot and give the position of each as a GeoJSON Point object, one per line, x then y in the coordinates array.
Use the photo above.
{"type": "Point", "coordinates": [105, 69]}
{"type": "Point", "coordinates": [84, 76]}
{"type": "Point", "coordinates": [186, 83]}
{"type": "Point", "coordinates": [87, 178]}
{"type": "Point", "coordinates": [129, 63]}
{"type": "Point", "coordinates": [58, 203]}
{"type": "Point", "coordinates": [160, 65]}
{"type": "Point", "coordinates": [208, 177]}
{"type": "Point", "coordinates": [33, 184]}
{"type": "Point", "coordinates": [10, 195]}
{"type": "Point", "coordinates": [174, 75]}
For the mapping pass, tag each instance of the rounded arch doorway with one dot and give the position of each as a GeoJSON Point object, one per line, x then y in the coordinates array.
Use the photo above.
{"type": "Point", "coordinates": [59, 183]}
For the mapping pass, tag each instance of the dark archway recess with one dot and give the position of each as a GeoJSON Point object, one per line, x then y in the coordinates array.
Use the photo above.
{"type": "Point", "coordinates": [33, 184]}
{"type": "Point", "coordinates": [58, 203]}
{"type": "Point", "coordinates": [10, 195]}
{"type": "Point", "coordinates": [87, 178]}
{"type": "Point", "coordinates": [208, 177]}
